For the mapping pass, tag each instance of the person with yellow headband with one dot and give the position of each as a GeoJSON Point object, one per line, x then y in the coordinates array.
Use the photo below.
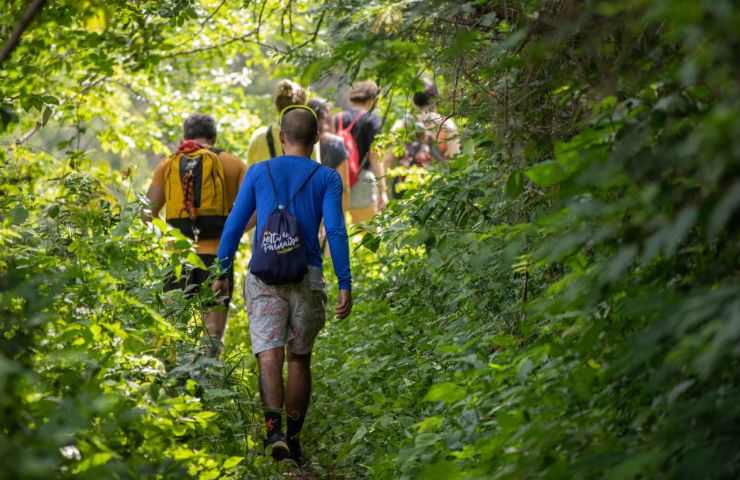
{"type": "Point", "coordinates": [286, 316]}
{"type": "Point", "coordinates": [265, 141]}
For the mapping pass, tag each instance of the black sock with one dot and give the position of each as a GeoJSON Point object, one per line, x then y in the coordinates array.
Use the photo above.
{"type": "Point", "coordinates": [295, 425]}
{"type": "Point", "coordinates": [273, 421]}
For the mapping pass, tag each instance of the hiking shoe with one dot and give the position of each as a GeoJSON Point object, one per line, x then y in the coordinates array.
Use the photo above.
{"type": "Point", "coordinates": [275, 445]}
{"type": "Point", "coordinates": [296, 454]}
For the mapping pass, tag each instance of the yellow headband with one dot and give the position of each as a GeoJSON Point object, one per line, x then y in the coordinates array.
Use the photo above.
{"type": "Point", "coordinates": [297, 107]}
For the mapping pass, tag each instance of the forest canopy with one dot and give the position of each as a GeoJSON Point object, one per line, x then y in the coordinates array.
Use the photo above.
{"type": "Point", "coordinates": [559, 300]}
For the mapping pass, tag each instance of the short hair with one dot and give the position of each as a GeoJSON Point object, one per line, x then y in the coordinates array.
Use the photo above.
{"type": "Point", "coordinates": [299, 127]}
{"type": "Point", "coordinates": [363, 91]}
{"type": "Point", "coordinates": [427, 95]}
{"type": "Point", "coordinates": [199, 125]}
{"type": "Point", "coordinates": [288, 93]}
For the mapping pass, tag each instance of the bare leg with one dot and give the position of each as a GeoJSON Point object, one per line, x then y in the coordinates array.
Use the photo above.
{"type": "Point", "coordinates": [216, 323]}
{"type": "Point", "coordinates": [271, 391]}
{"type": "Point", "coordinates": [298, 395]}
{"type": "Point", "coordinates": [216, 326]}
{"type": "Point", "coordinates": [271, 377]}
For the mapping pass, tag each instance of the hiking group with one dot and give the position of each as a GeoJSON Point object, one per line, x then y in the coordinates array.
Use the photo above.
{"type": "Point", "coordinates": [303, 172]}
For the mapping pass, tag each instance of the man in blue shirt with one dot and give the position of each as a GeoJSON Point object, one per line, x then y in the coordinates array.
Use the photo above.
{"type": "Point", "coordinates": [288, 317]}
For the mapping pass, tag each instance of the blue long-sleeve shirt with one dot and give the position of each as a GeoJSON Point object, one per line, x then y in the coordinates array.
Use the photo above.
{"type": "Point", "coordinates": [320, 197]}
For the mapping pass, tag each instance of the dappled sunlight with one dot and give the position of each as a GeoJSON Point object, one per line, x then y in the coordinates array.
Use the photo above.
{"type": "Point", "coordinates": [551, 290]}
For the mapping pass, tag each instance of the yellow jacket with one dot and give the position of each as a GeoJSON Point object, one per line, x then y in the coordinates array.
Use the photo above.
{"type": "Point", "coordinates": [259, 151]}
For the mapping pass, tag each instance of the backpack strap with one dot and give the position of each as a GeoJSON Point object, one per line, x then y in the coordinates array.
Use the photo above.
{"type": "Point", "coordinates": [270, 142]}
{"type": "Point", "coordinates": [355, 120]}
{"type": "Point", "coordinates": [274, 190]}
{"type": "Point", "coordinates": [352, 123]}
{"type": "Point", "coordinates": [272, 182]}
{"type": "Point", "coordinates": [315, 169]}
{"type": "Point", "coordinates": [365, 160]}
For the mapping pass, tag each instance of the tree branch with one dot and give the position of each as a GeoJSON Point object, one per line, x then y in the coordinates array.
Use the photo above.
{"type": "Point", "coordinates": [313, 37]}
{"type": "Point", "coordinates": [27, 136]}
{"type": "Point", "coordinates": [15, 37]}
{"type": "Point", "coordinates": [212, 14]}
{"type": "Point", "coordinates": [458, 68]}
{"type": "Point", "coordinates": [242, 38]}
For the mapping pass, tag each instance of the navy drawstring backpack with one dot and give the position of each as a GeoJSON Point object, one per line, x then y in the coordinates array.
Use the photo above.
{"type": "Point", "coordinates": [280, 255]}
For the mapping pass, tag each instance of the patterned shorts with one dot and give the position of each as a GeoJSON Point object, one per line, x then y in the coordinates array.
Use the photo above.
{"type": "Point", "coordinates": [282, 315]}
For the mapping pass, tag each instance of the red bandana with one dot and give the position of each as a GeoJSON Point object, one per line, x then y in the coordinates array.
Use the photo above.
{"type": "Point", "coordinates": [188, 146]}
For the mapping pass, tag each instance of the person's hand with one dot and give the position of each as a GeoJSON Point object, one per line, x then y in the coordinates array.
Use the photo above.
{"type": "Point", "coordinates": [344, 304]}
{"type": "Point", "coordinates": [220, 286]}
{"type": "Point", "coordinates": [382, 200]}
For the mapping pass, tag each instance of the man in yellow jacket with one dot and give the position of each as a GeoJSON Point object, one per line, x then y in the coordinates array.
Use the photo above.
{"type": "Point", "coordinates": [199, 132]}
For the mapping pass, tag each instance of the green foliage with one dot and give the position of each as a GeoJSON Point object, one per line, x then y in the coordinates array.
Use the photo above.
{"type": "Point", "coordinates": [97, 380]}
{"type": "Point", "coordinates": [102, 375]}
{"type": "Point", "coordinates": [560, 301]}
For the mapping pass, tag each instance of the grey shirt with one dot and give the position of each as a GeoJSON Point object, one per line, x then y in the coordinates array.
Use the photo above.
{"type": "Point", "coordinates": [333, 152]}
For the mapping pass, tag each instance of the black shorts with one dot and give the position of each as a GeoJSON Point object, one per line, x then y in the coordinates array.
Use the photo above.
{"type": "Point", "coordinates": [192, 279]}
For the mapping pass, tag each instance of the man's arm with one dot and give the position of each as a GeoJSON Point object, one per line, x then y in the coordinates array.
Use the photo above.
{"type": "Point", "coordinates": [378, 167]}
{"type": "Point", "coordinates": [377, 164]}
{"type": "Point", "coordinates": [336, 233]}
{"type": "Point", "coordinates": [155, 194]}
{"type": "Point", "coordinates": [242, 211]}
{"type": "Point", "coordinates": [344, 174]}
{"type": "Point", "coordinates": [252, 221]}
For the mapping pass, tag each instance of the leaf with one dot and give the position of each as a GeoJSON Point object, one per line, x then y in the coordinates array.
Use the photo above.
{"type": "Point", "coordinates": [442, 470]}
{"type": "Point", "coordinates": [503, 340]}
{"type": "Point", "coordinates": [213, 393]}
{"type": "Point", "coordinates": [96, 22]}
{"type": "Point", "coordinates": [371, 242]}
{"type": "Point", "coordinates": [94, 460]}
{"type": "Point", "coordinates": [7, 117]}
{"type": "Point", "coordinates": [232, 462]}
{"type": "Point", "coordinates": [430, 424]}
{"type": "Point", "coordinates": [637, 465]}
{"type": "Point", "coordinates": [181, 244]}
{"type": "Point", "coordinates": [182, 453]}
{"type": "Point", "coordinates": [46, 116]}
{"type": "Point", "coordinates": [726, 337]}
{"type": "Point", "coordinates": [212, 474]}
{"type": "Point", "coordinates": [679, 389]}
{"type": "Point", "coordinates": [445, 392]}
{"type": "Point", "coordinates": [525, 367]}
{"type": "Point", "coordinates": [575, 154]}
{"type": "Point", "coordinates": [546, 174]}
{"type": "Point", "coordinates": [464, 40]}
{"type": "Point", "coordinates": [195, 260]}
{"type": "Point", "coordinates": [668, 238]}
{"type": "Point", "coordinates": [620, 262]}
{"type": "Point", "coordinates": [359, 435]}
{"type": "Point", "coordinates": [160, 224]}
{"type": "Point", "coordinates": [515, 184]}
{"type": "Point", "coordinates": [426, 440]}
{"type": "Point", "coordinates": [724, 209]}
